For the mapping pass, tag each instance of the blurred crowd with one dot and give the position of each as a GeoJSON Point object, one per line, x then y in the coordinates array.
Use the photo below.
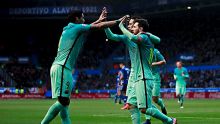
{"type": "Point", "coordinates": [197, 79]}
{"type": "Point", "coordinates": [27, 75]}
{"type": "Point", "coordinates": [30, 76]}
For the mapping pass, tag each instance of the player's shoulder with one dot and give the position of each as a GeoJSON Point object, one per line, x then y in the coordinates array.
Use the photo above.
{"type": "Point", "coordinates": [184, 68]}
{"type": "Point", "coordinates": [156, 51]}
{"type": "Point", "coordinates": [77, 25]}
{"type": "Point", "coordinates": [82, 25]}
{"type": "Point", "coordinates": [144, 35]}
{"type": "Point", "coordinates": [69, 26]}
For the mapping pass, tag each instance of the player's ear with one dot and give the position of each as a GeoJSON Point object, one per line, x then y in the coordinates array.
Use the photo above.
{"type": "Point", "coordinates": [141, 29]}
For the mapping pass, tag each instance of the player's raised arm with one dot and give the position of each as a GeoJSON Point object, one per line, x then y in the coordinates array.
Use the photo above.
{"type": "Point", "coordinates": [102, 17]}
{"type": "Point", "coordinates": [112, 36]}
{"type": "Point", "coordinates": [106, 24]}
{"type": "Point", "coordinates": [126, 32]}
{"type": "Point", "coordinates": [139, 27]}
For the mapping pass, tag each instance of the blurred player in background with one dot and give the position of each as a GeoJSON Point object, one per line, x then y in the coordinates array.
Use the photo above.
{"type": "Point", "coordinates": [158, 60]}
{"type": "Point", "coordinates": [71, 41]}
{"type": "Point", "coordinates": [180, 75]}
{"type": "Point", "coordinates": [143, 73]}
{"type": "Point", "coordinates": [124, 80]}
{"type": "Point", "coordinates": [118, 88]}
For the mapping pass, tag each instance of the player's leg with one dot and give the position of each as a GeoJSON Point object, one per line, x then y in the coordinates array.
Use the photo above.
{"type": "Point", "coordinates": [183, 92]}
{"type": "Point", "coordinates": [145, 102]}
{"type": "Point", "coordinates": [135, 114]}
{"type": "Point", "coordinates": [52, 112]}
{"type": "Point", "coordinates": [178, 93]}
{"type": "Point", "coordinates": [120, 95]}
{"type": "Point", "coordinates": [55, 74]}
{"type": "Point", "coordinates": [181, 101]}
{"type": "Point", "coordinates": [64, 113]}
{"type": "Point", "coordinates": [116, 95]}
{"type": "Point", "coordinates": [180, 96]}
{"type": "Point", "coordinates": [66, 93]}
{"type": "Point", "coordinates": [156, 96]}
{"type": "Point", "coordinates": [148, 117]}
{"type": "Point", "coordinates": [128, 92]}
{"type": "Point", "coordinates": [124, 89]}
{"type": "Point", "coordinates": [132, 103]}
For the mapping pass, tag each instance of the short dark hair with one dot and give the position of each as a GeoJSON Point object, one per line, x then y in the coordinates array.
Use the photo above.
{"type": "Point", "coordinates": [143, 23]}
{"type": "Point", "coordinates": [121, 63]}
{"type": "Point", "coordinates": [135, 17]}
{"type": "Point", "coordinates": [73, 14]}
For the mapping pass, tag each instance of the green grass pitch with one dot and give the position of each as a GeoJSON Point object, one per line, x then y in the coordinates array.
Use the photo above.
{"type": "Point", "coordinates": [105, 112]}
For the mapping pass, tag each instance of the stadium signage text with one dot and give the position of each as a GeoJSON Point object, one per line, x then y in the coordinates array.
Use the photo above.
{"type": "Point", "coordinates": [52, 10]}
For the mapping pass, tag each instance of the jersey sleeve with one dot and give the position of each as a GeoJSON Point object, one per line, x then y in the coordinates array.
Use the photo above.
{"type": "Point", "coordinates": [174, 74]}
{"type": "Point", "coordinates": [83, 27]}
{"type": "Point", "coordinates": [186, 74]}
{"type": "Point", "coordinates": [154, 39]}
{"type": "Point", "coordinates": [114, 37]}
{"type": "Point", "coordinates": [159, 56]}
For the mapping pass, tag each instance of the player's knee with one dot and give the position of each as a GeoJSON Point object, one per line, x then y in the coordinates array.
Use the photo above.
{"type": "Point", "coordinates": [143, 110]}
{"type": "Point", "coordinates": [65, 101]}
{"type": "Point", "coordinates": [64, 114]}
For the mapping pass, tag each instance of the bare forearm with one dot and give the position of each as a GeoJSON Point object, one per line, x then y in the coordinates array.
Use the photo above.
{"type": "Point", "coordinates": [103, 25]}
{"type": "Point", "coordinates": [96, 22]}
{"type": "Point", "coordinates": [159, 63]}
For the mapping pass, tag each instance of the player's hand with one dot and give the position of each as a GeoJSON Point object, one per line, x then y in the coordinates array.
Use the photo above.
{"type": "Point", "coordinates": [124, 19]}
{"type": "Point", "coordinates": [174, 77]}
{"type": "Point", "coordinates": [103, 15]}
{"type": "Point", "coordinates": [153, 64]}
{"type": "Point", "coordinates": [182, 74]}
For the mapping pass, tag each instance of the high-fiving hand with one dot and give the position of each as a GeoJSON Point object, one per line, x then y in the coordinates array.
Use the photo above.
{"type": "Point", "coordinates": [124, 19]}
{"type": "Point", "coordinates": [103, 15]}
